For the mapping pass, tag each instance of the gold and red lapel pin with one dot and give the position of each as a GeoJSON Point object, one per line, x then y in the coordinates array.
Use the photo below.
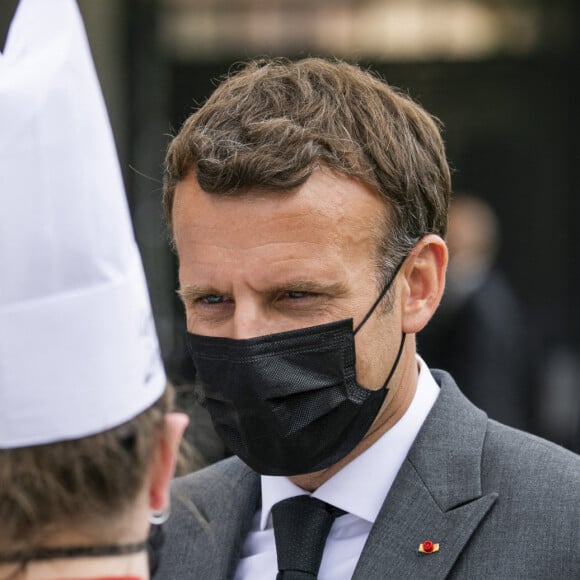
{"type": "Point", "coordinates": [428, 547]}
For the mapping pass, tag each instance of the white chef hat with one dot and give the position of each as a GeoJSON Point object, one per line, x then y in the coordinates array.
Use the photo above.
{"type": "Point", "coordinates": [78, 349]}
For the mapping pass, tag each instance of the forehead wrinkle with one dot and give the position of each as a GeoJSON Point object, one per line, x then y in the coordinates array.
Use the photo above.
{"type": "Point", "coordinates": [254, 250]}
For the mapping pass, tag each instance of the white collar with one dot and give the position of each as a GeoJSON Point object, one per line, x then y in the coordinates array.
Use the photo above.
{"type": "Point", "coordinates": [360, 488]}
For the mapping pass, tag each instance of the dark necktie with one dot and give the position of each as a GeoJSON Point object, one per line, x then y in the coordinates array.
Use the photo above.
{"type": "Point", "coordinates": [301, 526]}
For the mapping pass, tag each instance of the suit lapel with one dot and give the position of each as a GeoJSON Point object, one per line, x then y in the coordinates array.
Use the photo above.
{"type": "Point", "coordinates": [436, 496]}
{"type": "Point", "coordinates": [231, 520]}
{"type": "Point", "coordinates": [216, 512]}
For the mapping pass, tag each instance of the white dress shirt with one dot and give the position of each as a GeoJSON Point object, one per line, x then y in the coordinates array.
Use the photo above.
{"type": "Point", "coordinates": [360, 488]}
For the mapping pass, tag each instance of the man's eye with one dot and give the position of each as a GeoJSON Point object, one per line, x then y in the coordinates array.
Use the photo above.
{"type": "Point", "coordinates": [212, 299]}
{"type": "Point", "coordinates": [299, 294]}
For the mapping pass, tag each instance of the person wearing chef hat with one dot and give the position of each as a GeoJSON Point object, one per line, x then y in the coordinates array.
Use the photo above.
{"type": "Point", "coordinates": [87, 441]}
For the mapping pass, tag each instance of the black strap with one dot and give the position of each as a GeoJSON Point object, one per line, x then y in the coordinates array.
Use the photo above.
{"type": "Point", "coordinates": [73, 552]}
{"type": "Point", "coordinates": [381, 295]}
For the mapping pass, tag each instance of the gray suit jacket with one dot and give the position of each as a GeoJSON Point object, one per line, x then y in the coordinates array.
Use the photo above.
{"type": "Point", "coordinates": [502, 504]}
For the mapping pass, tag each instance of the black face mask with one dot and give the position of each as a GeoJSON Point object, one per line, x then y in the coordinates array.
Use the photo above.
{"type": "Point", "coordinates": [288, 403]}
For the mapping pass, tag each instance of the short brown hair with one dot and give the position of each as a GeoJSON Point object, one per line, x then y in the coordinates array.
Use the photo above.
{"type": "Point", "coordinates": [271, 124]}
{"type": "Point", "coordinates": [82, 484]}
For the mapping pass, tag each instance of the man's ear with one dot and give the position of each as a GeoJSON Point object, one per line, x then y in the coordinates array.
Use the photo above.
{"type": "Point", "coordinates": [424, 282]}
{"type": "Point", "coordinates": [164, 460]}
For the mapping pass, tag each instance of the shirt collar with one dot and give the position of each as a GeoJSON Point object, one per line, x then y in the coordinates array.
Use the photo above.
{"type": "Point", "coordinates": [359, 495]}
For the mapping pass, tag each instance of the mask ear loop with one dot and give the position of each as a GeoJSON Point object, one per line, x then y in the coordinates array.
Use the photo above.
{"type": "Point", "coordinates": [369, 313]}
{"type": "Point", "coordinates": [396, 363]}
{"type": "Point", "coordinates": [381, 295]}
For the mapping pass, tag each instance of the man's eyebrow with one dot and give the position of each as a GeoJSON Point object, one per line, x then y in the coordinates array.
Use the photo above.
{"type": "Point", "coordinates": [191, 292]}
{"type": "Point", "coordinates": [312, 286]}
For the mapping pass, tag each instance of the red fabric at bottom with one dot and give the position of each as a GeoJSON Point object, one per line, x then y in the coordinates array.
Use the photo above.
{"type": "Point", "coordinates": [108, 578]}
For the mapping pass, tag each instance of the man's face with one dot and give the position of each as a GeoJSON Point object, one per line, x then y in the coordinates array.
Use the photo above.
{"type": "Point", "coordinates": [261, 264]}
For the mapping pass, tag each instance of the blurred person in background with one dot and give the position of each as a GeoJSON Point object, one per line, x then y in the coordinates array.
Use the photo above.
{"type": "Point", "coordinates": [88, 442]}
{"type": "Point", "coordinates": [479, 333]}
{"type": "Point", "coordinates": [308, 205]}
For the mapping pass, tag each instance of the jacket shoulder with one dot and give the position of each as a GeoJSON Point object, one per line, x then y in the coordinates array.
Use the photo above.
{"type": "Point", "coordinates": [528, 461]}
{"type": "Point", "coordinates": [209, 487]}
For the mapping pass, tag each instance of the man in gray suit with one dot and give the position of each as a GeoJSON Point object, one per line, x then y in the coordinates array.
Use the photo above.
{"type": "Point", "coordinates": [308, 205]}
